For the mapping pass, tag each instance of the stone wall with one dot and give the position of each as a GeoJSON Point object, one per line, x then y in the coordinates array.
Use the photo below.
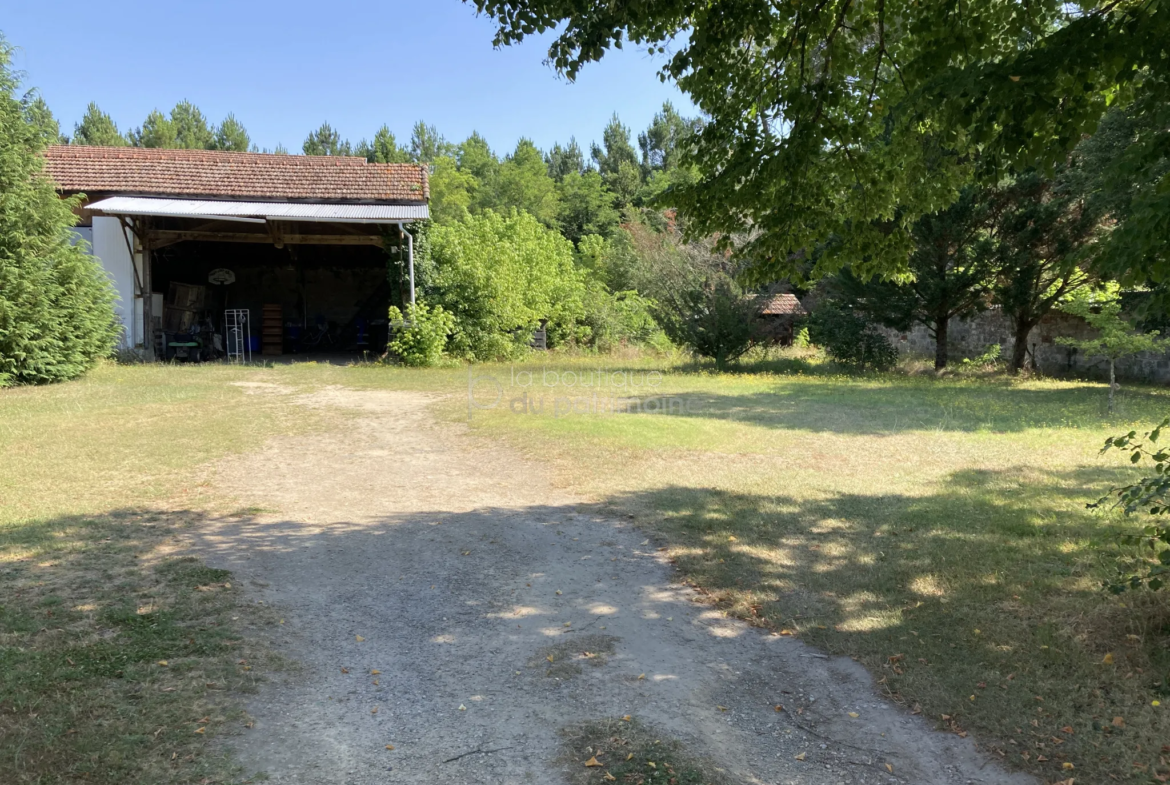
{"type": "Point", "coordinates": [972, 337]}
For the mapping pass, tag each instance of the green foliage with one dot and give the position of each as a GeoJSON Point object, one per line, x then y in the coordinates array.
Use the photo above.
{"type": "Point", "coordinates": [500, 275]}
{"type": "Point", "coordinates": [1149, 495]}
{"type": "Point", "coordinates": [192, 131]}
{"type": "Point", "coordinates": [326, 141]}
{"type": "Point", "coordinates": [39, 116]}
{"type": "Point", "coordinates": [230, 135]}
{"type": "Point", "coordinates": [97, 129]}
{"type": "Point", "coordinates": [452, 191]}
{"type": "Point", "coordinates": [1116, 337]}
{"type": "Point", "coordinates": [427, 144]}
{"type": "Point", "coordinates": [420, 336]}
{"type": "Point", "coordinates": [384, 149]}
{"type": "Point", "coordinates": [620, 319]}
{"type": "Point", "coordinates": [989, 359]}
{"type": "Point", "coordinates": [815, 112]}
{"type": "Point", "coordinates": [950, 274]}
{"type": "Point", "coordinates": [849, 339]}
{"type": "Point", "coordinates": [587, 206]}
{"type": "Point", "coordinates": [56, 303]}
{"type": "Point", "coordinates": [665, 141]}
{"type": "Point", "coordinates": [523, 183]}
{"type": "Point", "coordinates": [714, 320]}
{"type": "Point", "coordinates": [156, 131]}
{"type": "Point", "coordinates": [563, 161]}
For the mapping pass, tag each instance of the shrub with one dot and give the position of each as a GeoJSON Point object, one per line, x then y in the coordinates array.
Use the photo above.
{"type": "Point", "coordinates": [850, 340]}
{"type": "Point", "coordinates": [714, 320]}
{"type": "Point", "coordinates": [56, 303]}
{"type": "Point", "coordinates": [1149, 495]}
{"type": "Point", "coordinates": [421, 335]}
{"type": "Point", "coordinates": [620, 318]}
{"type": "Point", "coordinates": [499, 275]}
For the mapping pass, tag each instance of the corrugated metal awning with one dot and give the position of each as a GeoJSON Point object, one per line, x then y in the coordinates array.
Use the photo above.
{"type": "Point", "coordinates": [261, 211]}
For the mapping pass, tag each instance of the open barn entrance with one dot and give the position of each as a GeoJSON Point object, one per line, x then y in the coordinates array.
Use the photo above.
{"type": "Point", "coordinates": [300, 299]}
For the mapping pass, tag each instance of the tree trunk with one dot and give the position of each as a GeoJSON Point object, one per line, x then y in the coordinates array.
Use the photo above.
{"type": "Point", "coordinates": [1020, 348]}
{"type": "Point", "coordinates": [1112, 384]}
{"type": "Point", "coordinates": [940, 343]}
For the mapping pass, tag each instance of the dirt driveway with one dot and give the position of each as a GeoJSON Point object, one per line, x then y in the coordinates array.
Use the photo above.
{"type": "Point", "coordinates": [425, 580]}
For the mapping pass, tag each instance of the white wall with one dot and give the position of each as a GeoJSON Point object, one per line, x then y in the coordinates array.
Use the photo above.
{"type": "Point", "coordinates": [109, 245]}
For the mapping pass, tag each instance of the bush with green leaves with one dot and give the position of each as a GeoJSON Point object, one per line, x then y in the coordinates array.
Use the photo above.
{"type": "Point", "coordinates": [714, 320]}
{"type": "Point", "coordinates": [850, 340]}
{"type": "Point", "coordinates": [1148, 496]}
{"type": "Point", "coordinates": [56, 302]}
{"type": "Point", "coordinates": [420, 336]}
{"type": "Point", "coordinates": [500, 275]}
{"type": "Point", "coordinates": [621, 319]}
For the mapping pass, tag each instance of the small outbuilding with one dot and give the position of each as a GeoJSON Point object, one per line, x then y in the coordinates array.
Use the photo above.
{"type": "Point", "coordinates": [778, 314]}
{"type": "Point", "coordinates": [309, 251]}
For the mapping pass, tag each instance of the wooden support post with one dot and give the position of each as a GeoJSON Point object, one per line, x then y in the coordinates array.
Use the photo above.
{"type": "Point", "coordinates": [147, 296]}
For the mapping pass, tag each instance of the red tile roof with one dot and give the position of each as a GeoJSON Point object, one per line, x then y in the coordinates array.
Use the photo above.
{"type": "Point", "coordinates": [214, 174]}
{"type": "Point", "coordinates": [782, 305]}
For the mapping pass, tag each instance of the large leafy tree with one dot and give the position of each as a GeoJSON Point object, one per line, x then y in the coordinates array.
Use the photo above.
{"type": "Point", "coordinates": [97, 129]}
{"type": "Point", "coordinates": [951, 274]}
{"type": "Point", "coordinates": [815, 109]}
{"type": "Point", "coordinates": [587, 206]}
{"type": "Point", "coordinates": [500, 275]}
{"type": "Point", "coordinates": [1043, 248]}
{"type": "Point", "coordinates": [523, 183]}
{"type": "Point", "coordinates": [56, 303]}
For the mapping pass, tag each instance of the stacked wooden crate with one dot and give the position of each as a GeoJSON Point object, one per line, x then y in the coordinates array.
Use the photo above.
{"type": "Point", "coordinates": [273, 335]}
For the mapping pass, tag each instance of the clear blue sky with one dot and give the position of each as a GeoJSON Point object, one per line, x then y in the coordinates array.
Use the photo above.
{"type": "Point", "coordinates": [285, 67]}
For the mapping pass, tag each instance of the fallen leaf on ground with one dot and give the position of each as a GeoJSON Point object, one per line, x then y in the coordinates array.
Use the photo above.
{"type": "Point", "coordinates": [642, 677]}
{"type": "Point", "coordinates": [462, 707]}
{"type": "Point", "coordinates": [799, 756]}
{"type": "Point", "coordinates": [200, 730]}
{"type": "Point", "coordinates": [549, 658]}
{"type": "Point", "coordinates": [854, 714]}
{"type": "Point", "coordinates": [345, 670]}
{"type": "Point", "coordinates": [889, 768]}
{"type": "Point", "coordinates": [778, 707]}
{"type": "Point", "coordinates": [358, 638]}
{"type": "Point", "coordinates": [1067, 766]}
{"type": "Point", "coordinates": [163, 663]}
{"type": "Point", "coordinates": [374, 710]}
{"type": "Point", "coordinates": [375, 673]}
{"type": "Point", "coordinates": [1119, 722]}
{"type": "Point", "coordinates": [627, 718]}
{"type": "Point", "coordinates": [592, 763]}
{"type": "Point", "coordinates": [609, 777]}
{"type": "Point", "coordinates": [389, 746]}
{"type": "Point", "coordinates": [1107, 659]}
{"type": "Point", "coordinates": [630, 756]}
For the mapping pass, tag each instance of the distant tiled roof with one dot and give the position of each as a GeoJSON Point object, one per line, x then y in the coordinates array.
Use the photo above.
{"type": "Point", "coordinates": [782, 305]}
{"type": "Point", "coordinates": [213, 174]}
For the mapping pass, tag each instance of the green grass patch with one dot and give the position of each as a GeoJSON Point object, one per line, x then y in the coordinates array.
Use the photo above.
{"type": "Point", "coordinates": [118, 660]}
{"type": "Point", "coordinates": [935, 529]}
{"type": "Point", "coordinates": [628, 752]}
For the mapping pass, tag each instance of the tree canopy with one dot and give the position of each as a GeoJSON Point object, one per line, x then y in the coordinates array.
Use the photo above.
{"type": "Point", "coordinates": [819, 112]}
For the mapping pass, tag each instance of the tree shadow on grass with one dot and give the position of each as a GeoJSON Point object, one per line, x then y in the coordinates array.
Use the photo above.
{"type": "Point", "coordinates": [980, 600]}
{"type": "Point", "coordinates": [880, 407]}
{"type": "Point", "coordinates": [112, 649]}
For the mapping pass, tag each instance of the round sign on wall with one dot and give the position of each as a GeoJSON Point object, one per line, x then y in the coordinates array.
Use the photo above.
{"type": "Point", "coordinates": [221, 277]}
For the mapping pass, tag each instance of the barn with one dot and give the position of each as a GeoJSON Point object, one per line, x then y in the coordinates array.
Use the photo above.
{"type": "Point", "coordinates": [246, 253]}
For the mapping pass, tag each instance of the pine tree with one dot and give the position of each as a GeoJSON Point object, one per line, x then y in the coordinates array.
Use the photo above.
{"type": "Point", "coordinates": [96, 128]}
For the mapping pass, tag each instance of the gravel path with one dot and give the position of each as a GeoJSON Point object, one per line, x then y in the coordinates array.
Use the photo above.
{"type": "Point", "coordinates": [423, 578]}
